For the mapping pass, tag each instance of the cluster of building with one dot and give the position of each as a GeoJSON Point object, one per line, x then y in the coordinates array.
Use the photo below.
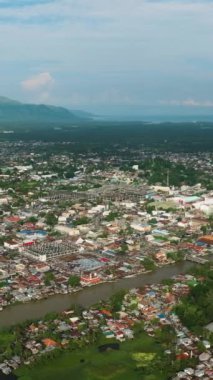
{"type": "Point", "coordinates": [153, 306]}
{"type": "Point", "coordinates": [117, 228]}
{"type": "Point", "coordinates": [89, 216]}
{"type": "Point", "coordinates": [156, 305]}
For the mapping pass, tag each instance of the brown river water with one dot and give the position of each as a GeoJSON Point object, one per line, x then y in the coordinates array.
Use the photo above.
{"type": "Point", "coordinates": [86, 297]}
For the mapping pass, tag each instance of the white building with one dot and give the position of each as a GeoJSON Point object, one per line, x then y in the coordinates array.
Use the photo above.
{"type": "Point", "coordinates": [67, 230]}
{"type": "Point", "coordinates": [205, 206]}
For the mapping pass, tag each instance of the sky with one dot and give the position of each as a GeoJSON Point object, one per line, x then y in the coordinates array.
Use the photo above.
{"type": "Point", "coordinates": [109, 56]}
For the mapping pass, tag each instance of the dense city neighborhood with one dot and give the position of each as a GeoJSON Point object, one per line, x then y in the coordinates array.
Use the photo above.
{"type": "Point", "coordinates": [105, 224]}
{"type": "Point", "coordinates": [106, 190]}
{"type": "Point", "coordinates": [69, 222]}
{"type": "Point", "coordinates": [118, 320]}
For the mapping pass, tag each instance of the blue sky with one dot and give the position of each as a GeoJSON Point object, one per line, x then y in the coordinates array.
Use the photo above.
{"type": "Point", "coordinates": [109, 56]}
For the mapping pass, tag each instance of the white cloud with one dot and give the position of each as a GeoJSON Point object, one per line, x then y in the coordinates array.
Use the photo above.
{"type": "Point", "coordinates": [38, 82]}
{"type": "Point", "coordinates": [115, 52]}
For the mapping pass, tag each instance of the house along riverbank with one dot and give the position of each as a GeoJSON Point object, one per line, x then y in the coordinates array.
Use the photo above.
{"type": "Point", "coordinates": [86, 297]}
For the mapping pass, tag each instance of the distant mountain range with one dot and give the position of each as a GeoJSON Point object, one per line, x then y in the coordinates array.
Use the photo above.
{"type": "Point", "coordinates": [14, 111]}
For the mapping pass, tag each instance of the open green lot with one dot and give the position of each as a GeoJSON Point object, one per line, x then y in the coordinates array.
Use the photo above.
{"type": "Point", "coordinates": [164, 205]}
{"type": "Point", "coordinates": [90, 364]}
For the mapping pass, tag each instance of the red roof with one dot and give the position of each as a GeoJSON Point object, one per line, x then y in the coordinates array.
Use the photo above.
{"type": "Point", "coordinates": [28, 243]}
{"type": "Point", "coordinates": [34, 279]}
{"type": "Point", "coordinates": [106, 312]}
{"type": "Point", "coordinates": [13, 219]}
{"type": "Point", "coordinates": [29, 225]}
{"type": "Point", "coordinates": [182, 356]}
{"type": "Point", "coordinates": [104, 260]}
{"type": "Point", "coordinates": [49, 342]}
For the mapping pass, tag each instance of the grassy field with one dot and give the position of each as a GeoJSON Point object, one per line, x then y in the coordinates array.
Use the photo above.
{"type": "Point", "coordinates": [163, 205]}
{"type": "Point", "coordinates": [90, 364]}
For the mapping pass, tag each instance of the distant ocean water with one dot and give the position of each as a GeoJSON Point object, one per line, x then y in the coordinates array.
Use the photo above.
{"type": "Point", "coordinates": [157, 119]}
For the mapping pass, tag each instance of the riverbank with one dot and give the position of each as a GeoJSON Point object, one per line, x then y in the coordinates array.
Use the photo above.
{"type": "Point", "coordinates": [86, 297]}
{"type": "Point", "coordinates": [73, 339]}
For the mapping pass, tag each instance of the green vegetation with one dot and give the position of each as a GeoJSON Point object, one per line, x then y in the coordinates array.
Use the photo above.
{"type": "Point", "coordinates": [51, 219]}
{"type": "Point", "coordinates": [32, 219]}
{"type": "Point", "coordinates": [161, 171]}
{"type": "Point", "coordinates": [123, 249]}
{"type": "Point", "coordinates": [116, 300]}
{"type": "Point", "coordinates": [74, 281]}
{"type": "Point", "coordinates": [112, 216]}
{"type": "Point", "coordinates": [143, 359]}
{"type": "Point", "coordinates": [3, 239]}
{"type": "Point", "coordinates": [3, 283]}
{"type": "Point", "coordinates": [90, 364]}
{"type": "Point", "coordinates": [148, 264]}
{"type": "Point", "coordinates": [168, 206]}
{"type": "Point", "coordinates": [168, 281]}
{"type": "Point", "coordinates": [176, 256]}
{"type": "Point", "coordinates": [48, 278]}
{"type": "Point", "coordinates": [96, 135]}
{"type": "Point", "coordinates": [25, 186]}
{"type": "Point", "coordinates": [80, 221]}
{"type": "Point", "coordinates": [6, 340]}
{"type": "Point", "coordinates": [196, 310]}
{"type": "Point", "coordinates": [104, 234]}
{"type": "Point", "coordinates": [153, 221]}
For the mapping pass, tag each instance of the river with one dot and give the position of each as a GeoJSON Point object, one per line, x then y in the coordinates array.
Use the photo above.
{"type": "Point", "coordinates": [86, 297]}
